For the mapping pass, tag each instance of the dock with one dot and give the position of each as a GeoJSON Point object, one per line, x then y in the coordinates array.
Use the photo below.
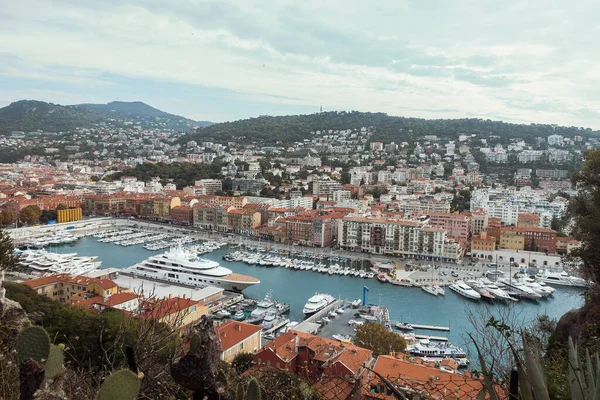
{"type": "Point", "coordinates": [277, 326]}
{"type": "Point", "coordinates": [436, 338]}
{"type": "Point", "coordinates": [309, 325]}
{"type": "Point", "coordinates": [431, 327]}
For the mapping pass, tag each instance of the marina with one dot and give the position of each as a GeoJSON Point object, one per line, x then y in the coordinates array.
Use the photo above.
{"type": "Point", "coordinates": [294, 287]}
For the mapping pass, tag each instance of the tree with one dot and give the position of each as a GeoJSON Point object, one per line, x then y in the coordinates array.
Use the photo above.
{"type": "Point", "coordinates": [379, 339]}
{"type": "Point", "coordinates": [30, 214]}
{"type": "Point", "coordinates": [8, 260]}
{"type": "Point", "coordinates": [94, 178]}
{"type": "Point", "coordinates": [584, 209]}
{"type": "Point", "coordinates": [242, 362]}
{"type": "Point", "coordinates": [7, 217]}
{"type": "Point", "coordinates": [61, 207]}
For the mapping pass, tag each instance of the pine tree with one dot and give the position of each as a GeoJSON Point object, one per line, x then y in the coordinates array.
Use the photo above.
{"type": "Point", "coordinates": [8, 260]}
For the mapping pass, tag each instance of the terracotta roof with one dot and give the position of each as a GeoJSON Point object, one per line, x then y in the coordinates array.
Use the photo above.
{"type": "Point", "coordinates": [231, 333]}
{"type": "Point", "coordinates": [423, 377]}
{"type": "Point", "coordinates": [163, 307]}
{"type": "Point", "coordinates": [119, 298]}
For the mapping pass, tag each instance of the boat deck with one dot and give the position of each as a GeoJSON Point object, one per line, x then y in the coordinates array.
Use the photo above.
{"type": "Point", "coordinates": [240, 278]}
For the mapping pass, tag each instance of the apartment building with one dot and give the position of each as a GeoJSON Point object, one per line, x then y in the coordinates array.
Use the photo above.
{"type": "Point", "coordinates": [328, 187]}
{"type": "Point", "coordinates": [482, 242]}
{"type": "Point", "coordinates": [528, 221]}
{"type": "Point", "coordinates": [479, 221]}
{"type": "Point", "coordinates": [455, 225]}
{"type": "Point", "coordinates": [211, 216]}
{"type": "Point", "coordinates": [68, 289]}
{"type": "Point", "coordinates": [393, 237]}
{"type": "Point", "coordinates": [211, 186]}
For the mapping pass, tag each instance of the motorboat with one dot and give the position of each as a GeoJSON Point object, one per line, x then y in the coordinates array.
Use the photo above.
{"type": "Point", "coordinates": [222, 314]}
{"type": "Point", "coordinates": [480, 288]}
{"type": "Point", "coordinates": [180, 266]}
{"type": "Point", "coordinates": [404, 327]}
{"type": "Point", "coordinates": [497, 292]}
{"type": "Point", "coordinates": [239, 315]}
{"type": "Point", "coordinates": [561, 279]}
{"type": "Point", "coordinates": [440, 290]}
{"type": "Point", "coordinates": [519, 289]}
{"type": "Point", "coordinates": [425, 348]}
{"type": "Point", "coordinates": [465, 290]}
{"type": "Point", "coordinates": [316, 303]}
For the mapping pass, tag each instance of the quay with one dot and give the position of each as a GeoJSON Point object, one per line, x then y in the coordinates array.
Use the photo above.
{"type": "Point", "coordinates": [436, 338]}
{"type": "Point", "coordinates": [309, 325]}
{"type": "Point", "coordinates": [431, 327]}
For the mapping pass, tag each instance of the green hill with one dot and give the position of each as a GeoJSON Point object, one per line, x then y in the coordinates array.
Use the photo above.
{"type": "Point", "coordinates": [30, 115]}
{"type": "Point", "coordinates": [291, 128]}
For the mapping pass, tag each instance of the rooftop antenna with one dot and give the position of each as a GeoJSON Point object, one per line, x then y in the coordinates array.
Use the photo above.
{"type": "Point", "coordinates": [321, 108]}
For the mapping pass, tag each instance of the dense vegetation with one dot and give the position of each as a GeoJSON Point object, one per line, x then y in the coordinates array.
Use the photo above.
{"type": "Point", "coordinates": [182, 174]}
{"type": "Point", "coordinates": [388, 128]}
{"type": "Point", "coordinates": [31, 115]}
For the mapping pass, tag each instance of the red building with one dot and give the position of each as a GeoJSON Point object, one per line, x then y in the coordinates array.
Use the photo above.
{"type": "Point", "coordinates": [182, 215]}
{"type": "Point", "coordinates": [315, 358]}
{"type": "Point", "coordinates": [540, 239]}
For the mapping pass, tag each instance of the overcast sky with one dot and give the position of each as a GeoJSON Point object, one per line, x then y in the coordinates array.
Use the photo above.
{"type": "Point", "coordinates": [519, 61]}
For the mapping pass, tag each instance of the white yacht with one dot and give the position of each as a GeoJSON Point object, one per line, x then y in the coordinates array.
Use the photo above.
{"type": "Point", "coordinates": [44, 262]}
{"type": "Point", "coordinates": [561, 279]}
{"type": "Point", "coordinates": [519, 289]}
{"type": "Point", "coordinates": [440, 290]}
{"type": "Point", "coordinates": [465, 290]}
{"type": "Point", "coordinates": [316, 303]}
{"type": "Point", "coordinates": [496, 291]}
{"type": "Point", "coordinates": [179, 266]}
{"type": "Point", "coordinates": [428, 288]}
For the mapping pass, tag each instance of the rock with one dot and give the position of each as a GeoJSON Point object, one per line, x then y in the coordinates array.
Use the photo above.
{"type": "Point", "coordinates": [12, 316]}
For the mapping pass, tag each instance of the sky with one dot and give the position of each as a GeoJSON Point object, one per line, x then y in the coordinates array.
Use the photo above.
{"type": "Point", "coordinates": [518, 61]}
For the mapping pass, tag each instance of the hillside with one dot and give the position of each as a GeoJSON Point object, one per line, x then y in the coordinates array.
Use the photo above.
{"type": "Point", "coordinates": [293, 128]}
{"type": "Point", "coordinates": [30, 115]}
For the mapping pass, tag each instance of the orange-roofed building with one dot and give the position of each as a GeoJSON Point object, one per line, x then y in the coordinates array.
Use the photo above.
{"type": "Point", "coordinates": [238, 337]}
{"type": "Point", "coordinates": [315, 357]}
{"type": "Point", "coordinates": [421, 378]}
{"type": "Point", "coordinates": [67, 289]}
{"type": "Point", "coordinates": [178, 312]}
{"type": "Point", "coordinates": [528, 221]}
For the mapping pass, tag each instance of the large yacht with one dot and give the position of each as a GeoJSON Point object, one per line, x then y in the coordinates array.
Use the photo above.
{"type": "Point", "coordinates": [179, 266]}
{"type": "Point", "coordinates": [316, 303]}
{"type": "Point", "coordinates": [465, 290]}
{"type": "Point", "coordinates": [44, 262]}
{"type": "Point", "coordinates": [424, 348]}
{"type": "Point", "coordinates": [561, 279]}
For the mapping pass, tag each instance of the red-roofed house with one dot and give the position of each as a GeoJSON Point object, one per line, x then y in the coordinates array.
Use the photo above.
{"type": "Point", "coordinates": [238, 337]}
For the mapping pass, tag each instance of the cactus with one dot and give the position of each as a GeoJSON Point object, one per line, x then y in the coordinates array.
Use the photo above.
{"type": "Point", "coordinates": [121, 385]}
{"type": "Point", "coordinates": [54, 365]}
{"type": "Point", "coordinates": [253, 392]}
{"type": "Point", "coordinates": [32, 342]}
{"type": "Point", "coordinates": [582, 387]}
{"type": "Point", "coordinates": [239, 392]}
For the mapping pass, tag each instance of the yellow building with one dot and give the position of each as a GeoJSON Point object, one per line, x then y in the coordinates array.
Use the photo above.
{"type": "Point", "coordinates": [238, 337]}
{"type": "Point", "coordinates": [512, 238]}
{"type": "Point", "coordinates": [67, 289]}
{"type": "Point", "coordinates": [68, 215]}
{"type": "Point", "coordinates": [483, 242]}
{"type": "Point", "coordinates": [175, 311]}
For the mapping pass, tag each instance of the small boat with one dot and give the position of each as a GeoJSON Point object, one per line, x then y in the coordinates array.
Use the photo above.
{"type": "Point", "coordinates": [428, 288]}
{"type": "Point", "coordinates": [223, 314]}
{"type": "Point", "coordinates": [342, 338]}
{"type": "Point", "coordinates": [332, 314]}
{"type": "Point", "coordinates": [404, 327]}
{"type": "Point", "coordinates": [340, 310]}
{"type": "Point", "coordinates": [239, 315]}
{"type": "Point", "coordinates": [368, 317]}
{"type": "Point", "coordinates": [440, 290]}
{"type": "Point", "coordinates": [356, 303]}
{"type": "Point", "coordinates": [382, 278]}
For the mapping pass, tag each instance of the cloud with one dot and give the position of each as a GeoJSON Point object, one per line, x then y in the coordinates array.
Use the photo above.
{"type": "Point", "coordinates": [406, 58]}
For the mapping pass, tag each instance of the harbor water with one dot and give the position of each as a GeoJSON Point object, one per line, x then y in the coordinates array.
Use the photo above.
{"type": "Point", "coordinates": [406, 304]}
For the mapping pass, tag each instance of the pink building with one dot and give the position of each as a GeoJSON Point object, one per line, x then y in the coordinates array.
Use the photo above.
{"type": "Point", "coordinates": [455, 225]}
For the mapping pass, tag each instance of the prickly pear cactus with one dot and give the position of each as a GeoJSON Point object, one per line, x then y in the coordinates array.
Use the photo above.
{"type": "Point", "coordinates": [32, 342]}
{"type": "Point", "coordinates": [120, 385]}
{"type": "Point", "coordinates": [54, 364]}
{"type": "Point", "coordinates": [253, 392]}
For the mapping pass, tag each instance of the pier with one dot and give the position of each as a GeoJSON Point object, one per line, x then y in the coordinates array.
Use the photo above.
{"type": "Point", "coordinates": [309, 325]}
{"type": "Point", "coordinates": [436, 338]}
{"type": "Point", "coordinates": [431, 327]}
